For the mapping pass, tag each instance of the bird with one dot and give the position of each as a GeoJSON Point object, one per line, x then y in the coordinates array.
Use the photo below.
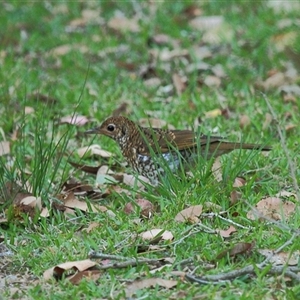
{"type": "Point", "coordinates": [149, 151]}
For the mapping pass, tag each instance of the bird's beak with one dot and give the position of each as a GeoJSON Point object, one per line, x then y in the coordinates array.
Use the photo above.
{"type": "Point", "coordinates": [95, 130]}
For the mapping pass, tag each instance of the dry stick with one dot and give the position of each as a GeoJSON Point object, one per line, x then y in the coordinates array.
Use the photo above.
{"type": "Point", "coordinates": [227, 277]}
{"type": "Point", "coordinates": [284, 147]}
{"type": "Point", "coordinates": [227, 220]}
{"type": "Point", "coordinates": [128, 263]}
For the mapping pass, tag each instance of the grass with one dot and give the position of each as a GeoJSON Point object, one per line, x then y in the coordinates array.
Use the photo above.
{"type": "Point", "coordinates": [93, 82]}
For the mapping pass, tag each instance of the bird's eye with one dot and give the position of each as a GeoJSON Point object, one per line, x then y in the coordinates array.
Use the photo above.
{"type": "Point", "coordinates": [111, 127]}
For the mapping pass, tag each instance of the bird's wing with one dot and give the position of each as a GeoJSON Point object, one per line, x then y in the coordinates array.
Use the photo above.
{"type": "Point", "coordinates": [161, 141]}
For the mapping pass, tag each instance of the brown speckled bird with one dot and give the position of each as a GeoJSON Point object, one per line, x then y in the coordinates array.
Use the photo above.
{"type": "Point", "coordinates": [149, 150]}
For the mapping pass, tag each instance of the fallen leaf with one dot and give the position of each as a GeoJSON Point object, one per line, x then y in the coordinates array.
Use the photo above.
{"type": "Point", "coordinates": [212, 81]}
{"type": "Point", "coordinates": [77, 120]}
{"type": "Point", "coordinates": [226, 233]}
{"type": "Point", "coordinates": [268, 121]}
{"type": "Point", "coordinates": [244, 121]}
{"type": "Point", "coordinates": [4, 148]}
{"type": "Point", "coordinates": [146, 208]}
{"type": "Point", "coordinates": [32, 201]}
{"type": "Point", "coordinates": [217, 169]}
{"type": "Point", "coordinates": [132, 288]}
{"type": "Point", "coordinates": [121, 23]}
{"type": "Point", "coordinates": [235, 196]}
{"type": "Point", "coordinates": [157, 235]}
{"type": "Point", "coordinates": [93, 150]}
{"type": "Point", "coordinates": [272, 207]}
{"type": "Point", "coordinates": [189, 214]}
{"type": "Point", "coordinates": [155, 123]}
{"type": "Point", "coordinates": [206, 22]}
{"type": "Point", "coordinates": [91, 226]}
{"type": "Point", "coordinates": [87, 275]}
{"type": "Point", "coordinates": [281, 258]}
{"type": "Point", "coordinates": [239, 182]}
{"type": "Point", "coordinates": [290, 127]}
{"type": "Point", "coordinates": [165, 54]}
{"type": "Point", "coordinates": [84, 168]}
{"type": "Point", "coordinates": [179, 83]}
{"type": "Point", "coordinates": [72, 202]}
{"type": "Point", "coordinates": [57, 271]}
{"type": "Point", "coordinates": [239, 248]}
{"type": "Point", "coordinates": [274, 81]}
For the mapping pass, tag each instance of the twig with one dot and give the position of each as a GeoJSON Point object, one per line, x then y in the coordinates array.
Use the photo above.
{"type": "Point", "coordinates": [131, 263]}
{"type": "Point", "coordinates": [225, 219]}
{"type": "Point", "coordinates": [94, 254]}
{"type": "Point", "coordinates": [191, 231]}
{"type": "Point", "coordinates": [223, 278]}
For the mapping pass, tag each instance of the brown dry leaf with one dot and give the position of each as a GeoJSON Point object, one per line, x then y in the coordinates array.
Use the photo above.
{"type": "Point", "coordinates": [77, 120]}
{"type": "Point", "coordinates": [239, 248]}
{"type": "Point", "coordinates": [272, 207]}
{"type": "Point", "coordinates": [57, 271]}
{"type": "Point", "coordinates": [84, 168]}
{"type": "Point", "coordinates": [235, 196]}
{"type": "Point", "coordinates": [135, 181]}
{"type": "Point", "coordinates": [268, 121]}
{"type": "Point", "coordinates": [204, 23]}
{"type": "Point", "coordinates": [78, 188]}
{"type": "Point", "coordinates": [87, 275]}
{"type": "Point", "coordinates": [93, 150]}
{"type": "Point", "coordinates": [91, 226]}
{"type": "Point", "coordinates": [179, 83]}
{"type": "Point", "coordinates": [72, 202]}
{"type": "Point", "coordinates": [283, 40]}
{"type": "Point", "coordinates": [290, 91]}
{"type": "Point", "coordinates": [281, 258]}
{"type": "Point", "coordinates": [238, 182]}
{"type": "Point", "coordinates": [157, 235]}
{"type": "Point", "coordinates": [44, 213]}
{"type": "Point", "coordinates": [4, 148]}
{"type": "Point", "coordinates": [212, 81]}
{"type": "Point", "coordinates": [189, 214]}
{"type": "Point", "coordinates": [163, 39]}
{"type": "Point", "coordinates": [155, 123]}
{"type": "Point", "coordinates": [214, 28]}
{"type": "Point", "coordinates": [244, 121]}
{"type": "Point", "coordinates": [121, 23]}
{"type": "Point", "coordinates": [226, 233]}
{"type": "Point", "coordinates": [165, 54]}
{"type": "Point", "coordinates": [274, 81]}
{"type": "Point", "coordinates": [290, 127]}
{"type": "Point", "coordinates": [152, 82]}
{"type": "Point", "coordinates": [28, 110]}
{"type": "Point", "coordinates": [146, 208]}
{"type": "Point", "coordinates": [192, 10]}
{"type": "Point", "coordinates": [147, 283]}
{"type": "Point", "coordinates": [88, 16]}
{"type": "Point", "coordinates": [32, 201]}
{"type": "Point", "coordinates": [217, 169]}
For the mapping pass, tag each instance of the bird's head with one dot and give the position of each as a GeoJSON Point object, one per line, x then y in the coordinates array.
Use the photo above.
{"type": "Point", "coordinates": [117, 128]}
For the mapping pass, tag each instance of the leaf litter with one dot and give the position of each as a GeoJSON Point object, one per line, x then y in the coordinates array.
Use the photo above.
{"type": "Point", "coordinates": [212, 27]}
